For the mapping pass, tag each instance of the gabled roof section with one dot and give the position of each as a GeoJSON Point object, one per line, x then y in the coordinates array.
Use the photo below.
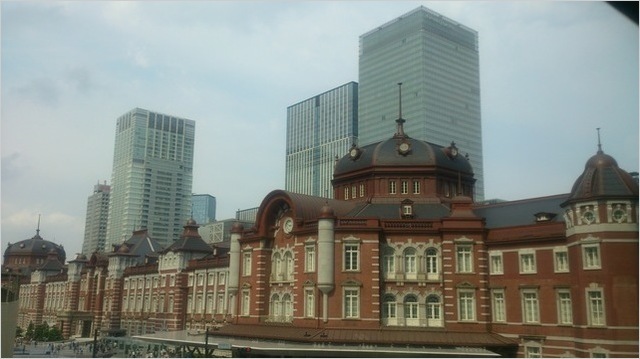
{"type": "Point", "coordinates": [139, 245]}
{"type": "Point", "coordinates": [521, 212]}
{"type": "Point", "coordinates": [190, 240]}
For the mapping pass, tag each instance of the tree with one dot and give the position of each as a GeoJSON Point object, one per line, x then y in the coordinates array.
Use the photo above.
{"type": "Point", "coordinates": [30, 331]}
{"type": "Point", "coordinates": [19, 332]}
{"type": "Point", "coordinates": [55, 334]}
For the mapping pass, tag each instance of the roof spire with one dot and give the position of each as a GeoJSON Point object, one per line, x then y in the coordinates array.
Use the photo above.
{"type": "Point", "coordinates": [38, 229]}
{"type": "Point", "coordinates": [599, 144]}
{"type": "Point", "coordinates": [400, 121]}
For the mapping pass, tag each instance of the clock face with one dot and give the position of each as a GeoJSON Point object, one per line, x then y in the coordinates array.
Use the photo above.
{"type": "Point", "coordinates": [404, 147]}
{"type": "Point", "coordinates": [353, 152]}
{"type": "Point", "coordinates": [288, 225]}
{"type": "Point", "coordinates": [454, 151]}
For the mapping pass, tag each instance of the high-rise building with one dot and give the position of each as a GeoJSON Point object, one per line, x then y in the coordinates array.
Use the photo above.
{"type": "Point", "coordinates": [319, 129]}
{"type": "Point", "coordinates": [152, 176]}
{"type": "Point", "coordinates": [437, 61]}
{"type": "Point", "coordinates": [203, 208]}
{"type": "Point", "coordinates": [95, 227]}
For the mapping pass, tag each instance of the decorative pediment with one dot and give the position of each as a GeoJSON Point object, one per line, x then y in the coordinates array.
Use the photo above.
{"type": "Point", "coordinates": [351, 283]}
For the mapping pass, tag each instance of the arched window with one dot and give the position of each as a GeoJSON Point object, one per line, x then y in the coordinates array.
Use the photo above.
{"type": "Point", "coordinates": [389, 263]}
{"type": "Point", "coordinates": [389, 305]}
{"type": "Point", "coordinates": [434, 311]}
{"type": "Point", "coordinates": [432, 264]}
{"type": "Point", "coordinates": [287, 274]}
{"type": "Point", "coordinates": [276, 267]}
{"type": "Point", "coordinates": [287, 308]}
{"type": "Point", "coordinates": [411, 310]}
{"type": "Point", "coordinates": [275, 307]}
{"type": "Point", "coordinates": [410, 264]}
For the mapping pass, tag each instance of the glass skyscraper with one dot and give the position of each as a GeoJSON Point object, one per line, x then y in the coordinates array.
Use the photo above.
{"type": "Point", "coordinates": [319, 129]}
{"type": "Point", "coordinates": [152, 176]}
{"type": "Point", "coordinates": [203, 208]}
{"type": "Point", "coordinates": [95, 227]}
{"type": "Point", "coordinates": [436, 60]}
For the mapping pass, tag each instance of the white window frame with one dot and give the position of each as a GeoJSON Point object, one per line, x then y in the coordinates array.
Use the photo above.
{"type": "Point", "coordinates": [527, 261]}
{"type": "Point", "coordinates": [530, 306]}
{"type": "Point", "coordinates": [496, 266]}
{"type": "Point", "coordinates": [361, 190]}
{"type": "Point", "coordinates": [309, 303]}
{"type": "Point", "coordinates": [432, 263]}
{"type": "Point", "coordinates": [464, 258]}
{"type": "Point", "coordinates": [392, 187]}
{"type": "Point", "coordinates": [389, 262]}
{"type": "Point", "coordinates": [499, 305]}
{"type": "Point", "coordinates": [410, 263]}
{"type": "Point", "coordinates": [560, 265]}
{"type": "Point", "coordinates": [565, 306]}
{"type": "Point", "coordinates": [404, 187]}
{"type": "Point", "coordinates": [389, 309]}
{"type": "Point", "coordinates": [466, 305]}
{"type": "Point", "coordinates": [351, 249]}
{"type": "Point", "coordinates": [246, 302]}
{"type": "Point", "coordinates": [590, 261]}
{"type": "Point", "coordinates": [416, 187]}
{"type": "Point", "coordinates": [596, 315]}
{"type": "Point", "coordinates": [310, 259]}
{"type": "Point", "coordinates": [246, 263]}
{"type": "Point", "coordinates": [346, 192]}
{"type": "Point", "coordinates": [532, 350]}
{"type": "Point", "coordinates": [351, 303]}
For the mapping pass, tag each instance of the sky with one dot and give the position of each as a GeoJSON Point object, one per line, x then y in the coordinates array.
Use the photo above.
{"type": "Point", "coordinates": [551, 73]}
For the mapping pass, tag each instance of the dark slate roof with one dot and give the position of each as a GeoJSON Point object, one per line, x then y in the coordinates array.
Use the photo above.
{"type": "Point", "coordinates": [522, 212]}
{"type": "Point", "coordinates": [603, 178]}
{"type": "Point", "coordinates": [385, 153]}
{"type": "Point", "coordinates": [35, 246]}
{"type": "Point", "coordinates": [141, 244]}
{"type": "Point", "coordinates": [393, 211]}
{"type": "Point", "coordinates": [190, 240]}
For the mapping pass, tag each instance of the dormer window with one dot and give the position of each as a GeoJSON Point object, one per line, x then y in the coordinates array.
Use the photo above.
{"type": "Point", "coordinates": [544, 216]}
{"type": "Point", "coordinates": [407, 209]}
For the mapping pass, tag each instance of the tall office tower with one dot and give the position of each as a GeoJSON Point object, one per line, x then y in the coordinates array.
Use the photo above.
{"type": "Point", "coordinates": [318, 130]}
{"type": "Point", "coordinates": [95, 227]}
{"type": "Point", "coordinates": [152, 176]}
{"type": "Point", "coordinates": [203, 208]}
{"type": "Point", "coordinates": [436, 60]}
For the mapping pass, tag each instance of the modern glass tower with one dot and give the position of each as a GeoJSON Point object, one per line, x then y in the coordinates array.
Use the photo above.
{"type": "Point", "coordinates": [203, 208]}
{"type": "Point", "coordinates": [436, 60]}
{"type": "Point", "coordinates": [95, 227]}
{"type": "Point", "coordinates": [152, 176]}
{"type": "Point", "coordinates": [319, 129]}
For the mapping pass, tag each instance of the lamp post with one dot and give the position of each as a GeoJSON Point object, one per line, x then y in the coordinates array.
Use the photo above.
{"type": "Point", "coordinates": [206, 342]}
{"type": "Point", "coordinates": [95, 343]}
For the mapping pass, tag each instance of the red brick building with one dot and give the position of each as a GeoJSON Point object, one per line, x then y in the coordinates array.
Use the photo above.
{"type": "Point", "coordinates": [401, 263]}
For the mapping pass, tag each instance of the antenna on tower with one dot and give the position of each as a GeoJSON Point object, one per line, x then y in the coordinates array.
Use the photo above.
{"type": "Point", "coordinates": [599, 144]}
{"type": "Point", "coordinates": [38, 229]}
{"type": "Point", "coordinates": [400, 121]}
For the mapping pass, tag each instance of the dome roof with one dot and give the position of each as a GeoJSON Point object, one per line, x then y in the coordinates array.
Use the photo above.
{"type": "Point", "coordinates": [403, 151]}
{"type": "Point", "coordinates": [603, 178]}
{"type": "Point", "coordinates": [35, 246]}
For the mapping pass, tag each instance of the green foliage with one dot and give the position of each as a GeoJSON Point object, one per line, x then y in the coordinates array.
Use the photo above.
{"type": "Point", "coordinates": [19, 332]}
{"type": "Point", "coordinates": [41, 332]}
{"type": "Point", "coordinates": [30, 331]}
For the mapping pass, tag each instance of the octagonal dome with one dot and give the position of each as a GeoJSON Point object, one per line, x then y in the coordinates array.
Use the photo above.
{"type": "Point", "coordinates": [403, 151]}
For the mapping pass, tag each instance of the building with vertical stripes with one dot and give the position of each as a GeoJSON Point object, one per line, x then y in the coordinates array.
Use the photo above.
{"type": "Point", "coordinates": [152, 176]}
{"type": "Point", "coordinates": [318, 130]}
